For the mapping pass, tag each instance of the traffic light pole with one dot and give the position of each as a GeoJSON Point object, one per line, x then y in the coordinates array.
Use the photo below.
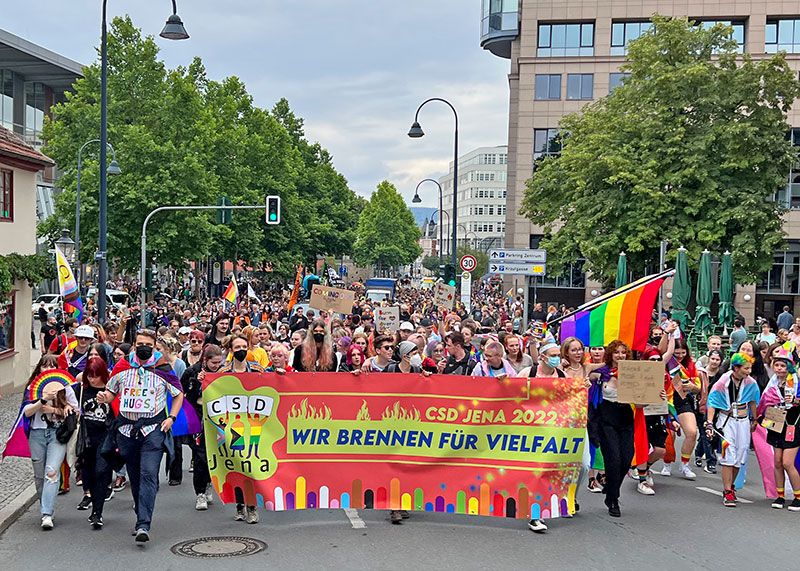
{"type": "Point", "coordinates": [142, 276]}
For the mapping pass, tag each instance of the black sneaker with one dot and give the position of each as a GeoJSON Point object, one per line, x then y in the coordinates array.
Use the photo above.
{"type": "Point", "coordinates": [698, 462]}
{"type": "Point", "coordinates": [537, 526]}
{"type": "Point", "coordinates": [613, 509]}
{"type": "Point", "coordinates": [710, 469]}
{"type": "Point", "coordinates": [142, 536]}
{"type": "Point", "coordinates": [96, 521]}
{"type": "Point", "coordinates": [778, 503]}
{"type": "Point", "coordinates": [85, 503]}
{"type": "Point", "coordinates": [174, 482]}
{"type": "Point", "coordinates": [109, 494]}
{"type": "Point", "coordinates": [395, 517]}
{"type": "Point", "coordinates": [795, 505]}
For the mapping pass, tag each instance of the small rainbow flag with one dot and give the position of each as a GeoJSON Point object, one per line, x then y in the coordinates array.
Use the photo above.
{"type": "Point", "coordinates": [623, 314]}
{"type": "Point", "coordinates": [231, 294]}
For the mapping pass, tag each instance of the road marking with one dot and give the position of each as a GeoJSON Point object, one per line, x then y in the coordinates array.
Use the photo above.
{"type": "Point", "coordinates": [718, 493]}
{"type": "Point", "coordinates": [354, 518]}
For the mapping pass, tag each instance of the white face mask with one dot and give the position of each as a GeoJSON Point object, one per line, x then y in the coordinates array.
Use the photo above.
{"type": "Point", "coordinates": [416, 361]}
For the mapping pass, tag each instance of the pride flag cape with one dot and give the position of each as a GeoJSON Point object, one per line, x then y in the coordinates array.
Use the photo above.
{"type": "Point", "coordinates": [624, 313]}
{"type": "Point", "coordinates": [231, 294]}
{"type": "Point", "coordinates": [17, 439]}
{"type": "Point", "coordinates": [68, 288]}
{"type": "Point", "coordinates": [187, 421]}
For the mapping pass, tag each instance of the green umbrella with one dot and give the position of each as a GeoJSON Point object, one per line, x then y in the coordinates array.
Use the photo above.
{"type": "Point", "coordinates": [726, 310]}
{"type": "Point", "coordinates": [622, 271]}
{"type": "Point", "coordinates": [681, 290]}
{"type": "Point", "coordinates": [702, 317]}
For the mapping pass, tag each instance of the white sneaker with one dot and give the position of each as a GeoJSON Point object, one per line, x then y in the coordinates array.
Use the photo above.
{"type": "Point", "coordinates": [201, 503]}
{"type": "Point", "coordinates": [537, 526]}
{"type": "Point", "coordinates": [649, 479]}
{"type": "Point", "coordinates": [633, 474]}
{"type": "Point", "coordinates": [645, 489]}
{"type": "Point", "coordinates": [666, 470]}
{"type": "Point", "coordinates": [209, 494]}
{"type": "Point", "coordinates": [686, 472]}
{"type": "Point", "coordinates": [47, 522]}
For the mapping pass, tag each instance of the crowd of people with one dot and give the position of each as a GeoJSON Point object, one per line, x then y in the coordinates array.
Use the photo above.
{"type": "Point", "coordinates": [715, 400]}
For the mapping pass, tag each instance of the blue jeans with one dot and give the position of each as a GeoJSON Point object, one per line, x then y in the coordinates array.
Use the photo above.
{"type": "Point", "coordinates": [143, 458]}
{"type": "Point", "coordinates": [47, 454]}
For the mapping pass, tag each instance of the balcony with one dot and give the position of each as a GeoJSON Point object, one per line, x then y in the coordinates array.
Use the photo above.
{"type": "Point", "coordinates": [499, 26]}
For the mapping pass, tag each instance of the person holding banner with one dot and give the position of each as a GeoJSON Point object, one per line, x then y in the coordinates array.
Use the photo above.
{"type": "Point", "coordinates": [279, 360]}
{"type": "Point", "coordinates": [316, 353]}
{"type": "Point", "coordinates": [732, 417]}
{"type": "Point", "coordinates": [237, 360]}
{"type": "Point", "coordinates": [611, 423]}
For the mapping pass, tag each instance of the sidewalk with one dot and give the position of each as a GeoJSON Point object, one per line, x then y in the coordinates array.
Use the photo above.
{"type": "Point", "coordinates": [16, 474]}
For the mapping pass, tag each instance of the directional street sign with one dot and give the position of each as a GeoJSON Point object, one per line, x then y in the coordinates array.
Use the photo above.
{"type": "Point", "coordinates": [528, 256]}
{"type": "Point", "coordinates": [517, 268]}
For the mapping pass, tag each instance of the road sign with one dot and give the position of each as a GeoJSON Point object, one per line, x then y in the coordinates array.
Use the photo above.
{"type": "Point", "coordinates": [466, 289]}
{"type": "Point", "coordinates": [468, 263]}
{"type": "Point", "coordinates": [517, 268]}
{"type": "Point", "coordinates": [529, 256]}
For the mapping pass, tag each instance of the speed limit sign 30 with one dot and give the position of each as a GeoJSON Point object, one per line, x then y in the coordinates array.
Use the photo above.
{"type": "Point", "coordinates": [468, 263]}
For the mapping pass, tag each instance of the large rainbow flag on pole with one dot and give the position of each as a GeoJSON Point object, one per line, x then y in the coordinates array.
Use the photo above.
{"type": "Point", "coordinates": [624, 314]}
{"type": "Point", "coordinates": [68, 287]}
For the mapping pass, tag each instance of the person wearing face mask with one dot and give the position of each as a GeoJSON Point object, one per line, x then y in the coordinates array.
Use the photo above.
{"type": "Point", "coordinates": [239, 363]}
{"type": "Point", "coordinates": [549, 363]}
{"type": "Point", "coordinates": [493, 363]}
{"type": "Point", "coordinates": [316, 353]}
{"type": "Point", "coordinates": [410, 359]}
{"type": "Point", "coordinates": [192, 382]}
{"type": "Point", "coordinates": [141, 432]}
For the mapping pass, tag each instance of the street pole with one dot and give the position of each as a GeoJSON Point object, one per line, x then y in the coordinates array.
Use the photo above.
{"type": "Point", "coordinates": [143, 268]}
{"type": "Point", "coordinates": [441, 228]}
{"type": "Point", "coordinates": [415, 132]}
{"type": "Point", "coordinates": [662, 260]}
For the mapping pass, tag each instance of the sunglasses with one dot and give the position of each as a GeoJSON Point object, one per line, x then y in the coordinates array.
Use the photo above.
{"type": "Point", "coordinates": [194, 341]}
{"type": "Point", "coordinates": [390, 347]}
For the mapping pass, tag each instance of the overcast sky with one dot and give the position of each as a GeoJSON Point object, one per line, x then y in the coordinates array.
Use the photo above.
{"type": "Point", "coordinates": [355, 70]}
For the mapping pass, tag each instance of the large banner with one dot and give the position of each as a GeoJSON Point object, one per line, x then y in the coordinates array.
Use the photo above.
{"type": "Point", "coordinates": [394, 441]}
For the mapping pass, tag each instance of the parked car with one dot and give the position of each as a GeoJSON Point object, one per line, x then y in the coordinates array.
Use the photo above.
{"type": "Point", "coordinates": [115, 297]}
{"type": "Point", "coordinates": [52, 301]}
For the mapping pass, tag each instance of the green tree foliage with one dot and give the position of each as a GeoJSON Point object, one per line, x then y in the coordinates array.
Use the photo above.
{"type": "Point", "coordinates": [691, 149]}
{"type": "Point", "coordinates": [431, 263]}
{"type": "Point", "coordinates": [387, 233]}
{"type": "Point", "coordinates": [183, 139]}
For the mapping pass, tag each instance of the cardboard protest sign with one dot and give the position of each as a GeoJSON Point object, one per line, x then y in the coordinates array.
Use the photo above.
{"type": "Point", "coordinates": [444, 295]}
{"type": "Point", "coordinates": [387, 319]}
{"type": "Point", "coordinates": [332, 299]}
{"type": "Point", "coordinates": [641, 382]}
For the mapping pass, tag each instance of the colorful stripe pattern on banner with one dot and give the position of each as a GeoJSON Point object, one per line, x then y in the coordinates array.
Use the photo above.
{"type": "Point", "coordinates": [623, 314]}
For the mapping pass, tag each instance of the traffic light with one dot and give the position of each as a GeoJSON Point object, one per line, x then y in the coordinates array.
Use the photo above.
{"type": "Point", "coordinates": [224, 215]}
{"type": "Point", "coordinates": [273, 210]}
{"type": "Point", "coordinates": [449, 276]}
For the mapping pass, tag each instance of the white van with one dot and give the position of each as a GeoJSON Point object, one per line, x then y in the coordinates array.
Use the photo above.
{"type": "Point", "coordinates": [115, 297]}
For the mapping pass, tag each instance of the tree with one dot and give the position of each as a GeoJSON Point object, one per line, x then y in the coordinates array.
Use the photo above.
{"type": "Point", "coordinates": [432, 263]}
{"type": "Point", "coordinates": [387, 233]}
{"type": "Point", "coordinates": [690, 149]}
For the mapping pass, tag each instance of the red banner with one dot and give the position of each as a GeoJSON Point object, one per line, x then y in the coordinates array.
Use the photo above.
{"type": "Point", "coordinates": [509, 448]}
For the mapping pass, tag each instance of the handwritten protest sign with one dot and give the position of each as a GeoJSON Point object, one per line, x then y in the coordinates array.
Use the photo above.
{"type": "Point", "coordinates": [444, 295]}
{"type": "Point", "coordinates": [387, 319]}
{"type": "Point", "coordinates": [332, 299]}
{"type": "Point", "coordinates": [641, 382]}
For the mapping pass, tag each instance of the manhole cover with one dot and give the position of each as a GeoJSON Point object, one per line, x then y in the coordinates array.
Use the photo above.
{"type": "Point", "coordinates": [211, 547]}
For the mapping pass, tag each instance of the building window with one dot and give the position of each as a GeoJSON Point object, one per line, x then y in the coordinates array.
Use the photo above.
{"type": "Point", "coordinates": [624, 32]}
{"type": "Point", "coordinates": [34, 113]}
{"type": "Point", "coordinates": [580, 85]}
{"type": "Point", "coordinates": [545, 143]}
{"type": "Point", "coordinates": [784, 277]}
{"type": "Point", "coordinates": [789, 196]}
{"type": "Point", "coordinates": [7, 99]}
{"type": "Point", "coordinates": [573, 277]}
{"type": "Point", "coordinates": [782, 35]}
{"type": "Point", "coordinates": [504, 159]}
{"type": "Point", "coordinates": [616, 79]}
{"type": "Point", "coordinates": [738, 30]}
{"type": "Point", "coordinates": [6, 195]}
{"type": "Point", "coordinates": [548, 86]}
{"type": "Point", "coordinates": [566, 40]}
{"type": "Point", "coordinates": [7, 323]}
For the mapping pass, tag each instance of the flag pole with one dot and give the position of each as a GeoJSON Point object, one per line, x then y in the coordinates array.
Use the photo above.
{"type": "Point", "coordinates": [588, 306]}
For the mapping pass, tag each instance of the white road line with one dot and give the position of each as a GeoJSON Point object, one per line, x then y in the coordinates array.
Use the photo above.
{"type": "Point", "coordinates": [354, 518]}
{"type": "Point", "coordinates": [718, 493]}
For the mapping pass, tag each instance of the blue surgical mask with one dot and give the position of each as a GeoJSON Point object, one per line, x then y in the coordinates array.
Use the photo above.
{"type": "Point", "coordinates": [554, 362]}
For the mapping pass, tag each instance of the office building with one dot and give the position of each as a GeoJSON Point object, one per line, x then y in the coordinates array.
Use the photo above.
{"type": "Point", "coordinates": [564, 55]}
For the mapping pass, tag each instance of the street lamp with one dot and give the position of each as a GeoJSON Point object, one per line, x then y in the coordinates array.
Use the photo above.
{"type": "Point", "coordinates": [417, 199]}
{"type": "Point", "coordinates": [113, 169]}
{"type": "Point", "coordinates": [415, 133]}
{"type": "Point", "coordinates": [441, 227]}
{"type": "Point", "coordinates": [173, 30]}
{"type": "Point", "coordinates": [66, 244]}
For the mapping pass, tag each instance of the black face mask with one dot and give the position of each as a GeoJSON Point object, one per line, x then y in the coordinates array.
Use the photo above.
{"type": "Point", "coordinates": [144, 352]}
{"type": "Point", "coordinates": [240, 355]}
{"type": "Point", "coordinates": [319, 337]}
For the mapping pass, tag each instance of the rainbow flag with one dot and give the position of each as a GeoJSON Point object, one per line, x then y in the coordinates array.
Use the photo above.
{"type": "Point", "coordinates": [68, 287]}
{"type": "Point", "coordinates": [17, 440]}
{"type": "Point", "coordinates": [231, 294]}
{"type": "Point", "coordinates": [623, 314]}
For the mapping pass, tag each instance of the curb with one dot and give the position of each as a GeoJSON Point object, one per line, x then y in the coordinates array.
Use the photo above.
{"type": "Point", "coordinates": [18, 506]}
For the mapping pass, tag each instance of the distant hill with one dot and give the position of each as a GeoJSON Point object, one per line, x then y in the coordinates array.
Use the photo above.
{"type": "Point", "coordinates": [422, 213]}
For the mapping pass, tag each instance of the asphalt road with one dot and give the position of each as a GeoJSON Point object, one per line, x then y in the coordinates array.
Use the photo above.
{"type": "Point", "coordinates": [682, 526]}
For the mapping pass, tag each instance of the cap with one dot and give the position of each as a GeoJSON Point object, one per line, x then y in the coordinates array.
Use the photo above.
{"type": "Point", "coordinates": [192, 320]}
{"type": "Point", "coordinates": [425, 322]}
{"type": "Point", "coordinates": [405, 347]}
{"type": "Point", "coordinates": [184, 330]}
{"type": "Point", "coordinates": [406, 326]}
{"type": "Point", "coordinates": [85, 331]}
